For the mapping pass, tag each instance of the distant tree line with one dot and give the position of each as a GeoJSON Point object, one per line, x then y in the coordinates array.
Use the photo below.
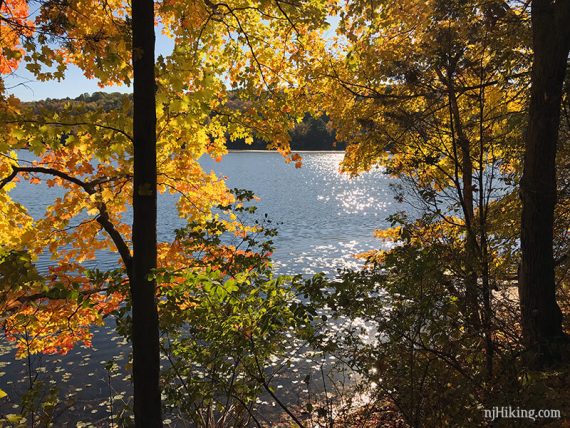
{"type": "Point", "coordinates": [95, 101]}
{"type": "Point", "coordinates": [311, 134]}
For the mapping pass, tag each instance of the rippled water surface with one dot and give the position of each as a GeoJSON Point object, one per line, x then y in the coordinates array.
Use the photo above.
{"type": "Point", "coordinates": [323, 219]}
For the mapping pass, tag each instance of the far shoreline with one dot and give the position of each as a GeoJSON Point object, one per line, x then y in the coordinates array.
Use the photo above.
{"type": "Point", "coordinates": [275, 151]}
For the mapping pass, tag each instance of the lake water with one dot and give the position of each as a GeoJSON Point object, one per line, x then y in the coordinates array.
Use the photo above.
{"type": "Point", "coordinates": [323, 219]}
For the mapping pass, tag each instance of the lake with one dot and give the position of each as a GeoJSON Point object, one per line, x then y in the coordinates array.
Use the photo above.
{"type": "Point", "coordinates": [323, 219]}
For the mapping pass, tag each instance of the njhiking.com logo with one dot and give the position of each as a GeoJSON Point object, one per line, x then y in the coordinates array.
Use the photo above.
{"type": "Point", "coordinates": [509, 412]}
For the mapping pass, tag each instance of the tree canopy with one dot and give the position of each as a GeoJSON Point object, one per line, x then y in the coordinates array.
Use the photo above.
{"type": "Point", "coordinates": [458, 101]}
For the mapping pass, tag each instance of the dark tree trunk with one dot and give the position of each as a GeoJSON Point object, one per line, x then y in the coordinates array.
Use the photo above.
{"type": "Point", "coordinates": [487, 316]}
{"type": "Point", "coordinates": [471, 245]}
{"type": "Point", "coordinates": [145, 335]}
{"type": "Point", "coordinates": [466, 192]}
{"type": "Point", "coordinates": [541, 316]}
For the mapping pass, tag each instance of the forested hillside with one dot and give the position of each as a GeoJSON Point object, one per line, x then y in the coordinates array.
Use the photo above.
{"type": "Point", "coordinates": [310, 134]}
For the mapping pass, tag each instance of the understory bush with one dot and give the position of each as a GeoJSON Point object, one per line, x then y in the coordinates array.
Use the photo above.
{"type": "Point", "coordinates": [412, 344]}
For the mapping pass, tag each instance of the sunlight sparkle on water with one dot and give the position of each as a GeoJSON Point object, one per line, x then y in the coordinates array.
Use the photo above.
{"type": "Point", "coordinates": [352, 194]}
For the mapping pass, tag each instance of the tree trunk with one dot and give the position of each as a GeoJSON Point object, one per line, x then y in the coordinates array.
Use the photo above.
{"type": "Point", "coordinates": [487, 318]}
{"type": "Point", "coordinates": [145, 334]}
{"type": "Point", "coordinates": [541, 316]}
{"type": "Point", "coordinates": [466, 196]}
{"type": "Point", "coordinates": [471, 245]}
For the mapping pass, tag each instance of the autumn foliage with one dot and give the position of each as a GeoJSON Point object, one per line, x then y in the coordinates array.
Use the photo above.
{"type": "Point", "coordinates": [14, 24]}
{"type": "Point", "coordinates": [87, 152]}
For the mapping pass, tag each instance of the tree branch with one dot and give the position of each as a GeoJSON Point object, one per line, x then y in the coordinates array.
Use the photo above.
{"type": "Point", "coordinates": [89, 187]}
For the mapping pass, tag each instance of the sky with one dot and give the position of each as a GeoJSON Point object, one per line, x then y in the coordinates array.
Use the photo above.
{"type": "Point", "coordinates": [23, 84]}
